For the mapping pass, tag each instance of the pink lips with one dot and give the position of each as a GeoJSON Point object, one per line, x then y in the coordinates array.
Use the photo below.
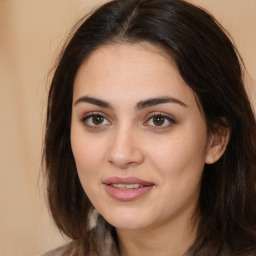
{"type": "Point", "coordinates": [122, 194]}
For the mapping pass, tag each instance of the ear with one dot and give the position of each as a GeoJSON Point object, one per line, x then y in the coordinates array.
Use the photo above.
{"type": "Point", "coordinates": [217, 144]}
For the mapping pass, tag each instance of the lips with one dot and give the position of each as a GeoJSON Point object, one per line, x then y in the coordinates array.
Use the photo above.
{"type": "Point", "coordinates": [127, 189]}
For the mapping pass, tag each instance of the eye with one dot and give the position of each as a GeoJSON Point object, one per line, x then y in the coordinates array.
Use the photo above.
{"type": "Point", "coordinates": [95, 120]}
{"type": "Point", "coordinates": [159, 120]}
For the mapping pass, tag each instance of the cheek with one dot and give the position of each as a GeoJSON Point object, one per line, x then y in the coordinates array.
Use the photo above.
{"type": "Point", "coordinates": [180, 164]}
{"type": "Point", "coordinates": [88, 154]}
{"type": "Point", "coordinates": [88, 158]}
{"type": "Point", "coordinates": [179, 155]}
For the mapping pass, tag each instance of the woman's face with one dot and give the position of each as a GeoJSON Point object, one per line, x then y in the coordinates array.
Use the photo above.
{"type": "Point", "coordinates": [138, 137]}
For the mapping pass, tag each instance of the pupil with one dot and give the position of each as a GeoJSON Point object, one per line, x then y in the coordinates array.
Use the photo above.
{"type": "Point", "coordinates": [97, 119]}
{"type": "Point", "coordinates": [158, 120]}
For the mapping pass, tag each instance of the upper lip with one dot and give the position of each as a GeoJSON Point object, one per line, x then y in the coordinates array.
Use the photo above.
{"type": "Point", "coordinates": [126, 180]}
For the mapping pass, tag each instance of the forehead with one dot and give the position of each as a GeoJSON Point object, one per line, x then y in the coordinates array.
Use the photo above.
{"type": "Point", "coordinates": [131, 71]}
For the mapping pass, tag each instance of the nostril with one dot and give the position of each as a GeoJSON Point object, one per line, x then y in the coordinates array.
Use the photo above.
{"type": "Point", "coordinates": [125, 161]}
{"type": "Point", "coordinates": [124, 151]}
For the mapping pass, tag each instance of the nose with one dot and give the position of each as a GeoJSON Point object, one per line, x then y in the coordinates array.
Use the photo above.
{"type": "Point", "coordinates": [125, 150]}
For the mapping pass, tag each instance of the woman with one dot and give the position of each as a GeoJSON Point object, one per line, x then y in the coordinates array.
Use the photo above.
{"type": "Point", "coordinates": [150, 131]}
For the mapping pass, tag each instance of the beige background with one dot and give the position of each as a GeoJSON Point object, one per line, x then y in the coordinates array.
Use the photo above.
{"type": "Point", "coordinates": [31, 33]}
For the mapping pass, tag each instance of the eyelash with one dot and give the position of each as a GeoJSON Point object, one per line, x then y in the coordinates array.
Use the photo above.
{"type": "Point", "coordinates": [167, 118]}
{"type": "Point", "coordinates": [91, 115]}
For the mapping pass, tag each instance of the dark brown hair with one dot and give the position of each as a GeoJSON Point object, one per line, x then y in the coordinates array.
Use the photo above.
{"type": "Point", "coordinates": [210, 64]}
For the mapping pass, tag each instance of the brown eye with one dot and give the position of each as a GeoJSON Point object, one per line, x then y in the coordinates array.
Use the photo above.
{"type": "Point", "coordinates": [97, 119]}
{"type": "Point", "coordinates": [158, 120]}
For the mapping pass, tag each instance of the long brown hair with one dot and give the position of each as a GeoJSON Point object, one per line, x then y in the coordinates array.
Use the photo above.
{"type": "Point", "coordinates": [210, 64]}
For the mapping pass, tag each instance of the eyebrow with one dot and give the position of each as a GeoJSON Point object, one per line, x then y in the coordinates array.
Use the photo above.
{"type": "Point", "coordinates": [156, 101]}
{"type": "Point", "coordinates": [94, 101]}
{"type": "Point", "coordinates": [139, 106]}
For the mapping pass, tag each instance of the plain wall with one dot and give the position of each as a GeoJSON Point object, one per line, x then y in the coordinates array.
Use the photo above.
{"type": "Point", "coordinates": [31, 34]}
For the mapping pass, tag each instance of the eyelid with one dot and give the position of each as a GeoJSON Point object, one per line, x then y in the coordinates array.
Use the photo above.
{"type": "Point", "coordinates": [167, 117]}
{"type": "Point", "coordinates": [91, 114]}
{"type": "Point", "coordinates": [164, 115]}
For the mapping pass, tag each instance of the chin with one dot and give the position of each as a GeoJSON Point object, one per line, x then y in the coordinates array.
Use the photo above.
{"type": "Point", "coordinates": [128, 221]}
{"type": "Point", "coordinates": [127, 225]}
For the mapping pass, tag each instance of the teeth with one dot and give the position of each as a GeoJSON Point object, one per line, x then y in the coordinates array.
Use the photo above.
{"type": "Point", "coordinates": [126, 186]}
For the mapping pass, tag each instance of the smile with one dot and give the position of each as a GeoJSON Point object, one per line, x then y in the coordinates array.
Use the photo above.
{"type": "Point", "coordinates": [127, 189]}
{"type": "Point", "coordinates": [126, 186]}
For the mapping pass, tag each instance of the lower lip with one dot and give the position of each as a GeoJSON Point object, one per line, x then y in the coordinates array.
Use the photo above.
{"type": "Point", "coordinates": [127, 194]}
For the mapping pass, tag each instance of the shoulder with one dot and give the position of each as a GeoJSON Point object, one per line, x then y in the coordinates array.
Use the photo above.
{"type": "Point", "coordinates": [76, 247]}
{"type": "Point", "coordinates": [61, 251]}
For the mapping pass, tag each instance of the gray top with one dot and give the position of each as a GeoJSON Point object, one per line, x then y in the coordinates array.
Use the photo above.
{"type": "Point", "coordinates": [58, 251]}
{"type": "Point", "coordinates": [70, 248]}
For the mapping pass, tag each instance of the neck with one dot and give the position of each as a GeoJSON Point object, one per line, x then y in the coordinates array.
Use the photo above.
{"type": "Point", "coordinates": [172, 239]}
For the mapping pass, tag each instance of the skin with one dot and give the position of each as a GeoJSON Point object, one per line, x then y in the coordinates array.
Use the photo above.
{"type": "Point", "coordinates": [126, 141]}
